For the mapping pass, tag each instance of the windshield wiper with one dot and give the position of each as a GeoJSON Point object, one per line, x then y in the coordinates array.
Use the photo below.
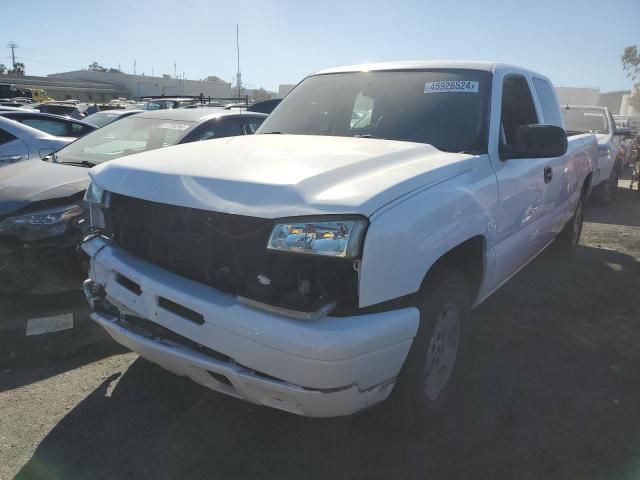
{"type": "Point", "coordinates": [365, 135]}
{"type": "Point", "coordinates": [83, 163]}
{"type": "Point", "coordinates": [274, 133]}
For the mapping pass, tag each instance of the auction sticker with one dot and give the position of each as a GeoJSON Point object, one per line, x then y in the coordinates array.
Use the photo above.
{"type": "Point", "coordinates": [452, 86]}
{"type": "Point", "coordinates": [174, 126]}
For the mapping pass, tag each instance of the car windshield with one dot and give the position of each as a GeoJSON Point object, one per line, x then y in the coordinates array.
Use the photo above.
{"type": "Point", "coordinates": [444, 108]}
{"type": "Point", "coordinates": [124, 137]}
{"type": "Point", "coordinates": [100, 119]}
{"type": "Point", "coordinates": [582, 120]}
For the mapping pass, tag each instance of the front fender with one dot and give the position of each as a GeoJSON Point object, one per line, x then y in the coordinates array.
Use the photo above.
{"type": "Point", "coordinates": [405, 239]}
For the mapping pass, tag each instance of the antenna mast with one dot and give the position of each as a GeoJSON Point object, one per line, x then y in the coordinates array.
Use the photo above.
{"type": "Point", "coordinates": [238, 74]}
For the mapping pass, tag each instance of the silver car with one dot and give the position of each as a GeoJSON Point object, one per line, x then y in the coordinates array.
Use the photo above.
{"type": "Point", "coordinates": [21, 142]}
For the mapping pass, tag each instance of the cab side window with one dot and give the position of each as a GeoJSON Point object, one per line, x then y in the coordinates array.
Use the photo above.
{"type": "Point", "coordinates": [517, 110]}
{"type": "Point", "coordinates": [5, 137]}
{"type": "Point", "coordinates": [548, 102]}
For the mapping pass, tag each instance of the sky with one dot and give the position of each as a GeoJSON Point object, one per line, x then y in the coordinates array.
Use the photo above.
{"type": "Point", "coordinates": [575, 43]}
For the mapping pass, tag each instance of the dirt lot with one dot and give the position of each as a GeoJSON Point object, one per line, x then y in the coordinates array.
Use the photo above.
{"type": "Point", "coordinates": [553, 392]}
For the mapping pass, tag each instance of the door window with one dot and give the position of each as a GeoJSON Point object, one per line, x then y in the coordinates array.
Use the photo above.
{"type": "Point", "coordinates": [218, 128]}
{"type": "Point", "coordinates": [548, 102]}
{"type": "Point", "coordinates": [47, 125]}
{"type": "Point", "coordinates": [252, 124]}
{"type": "Point", "coordinates": [517, 110]}
{"type": "Point", "coordinates": [5, 137]}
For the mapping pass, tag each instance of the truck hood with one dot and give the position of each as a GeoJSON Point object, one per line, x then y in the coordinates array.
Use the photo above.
{"type": "Point", "coordinates": [29, 181]}
{"type": "Point", "coordinates": [273, 176]}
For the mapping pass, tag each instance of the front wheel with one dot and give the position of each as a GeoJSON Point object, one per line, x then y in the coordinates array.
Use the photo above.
{"type": "Point", "coordinates": [435, 358]}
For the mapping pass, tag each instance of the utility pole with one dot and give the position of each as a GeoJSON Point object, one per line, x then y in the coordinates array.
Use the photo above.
{"type": "Point", "coordinates": [175, 74]}
{"type": "Point", "coordinates": [238, 74]}
{"type": "Point", "coordinates": [13, 46]}
{"type": "Point", "coordinates": [134, 67]}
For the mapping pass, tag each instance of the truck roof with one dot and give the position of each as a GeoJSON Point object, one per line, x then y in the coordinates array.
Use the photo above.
{"type": "Point", "coordinates": [422, 65]}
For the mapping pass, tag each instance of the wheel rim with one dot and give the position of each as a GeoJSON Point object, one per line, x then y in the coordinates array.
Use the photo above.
{"type": "Point", "coordinates": [442, 352]}
{"type": "Point", "coordinates": [577, 225]}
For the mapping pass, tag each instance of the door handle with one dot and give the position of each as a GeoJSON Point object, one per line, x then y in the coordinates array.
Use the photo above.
{"type": "Point", "coordinates": [548, 174]}
{"type": "Point", "coordinates": [10, 158]}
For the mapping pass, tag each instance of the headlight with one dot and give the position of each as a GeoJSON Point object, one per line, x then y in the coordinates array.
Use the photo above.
{"type": "Point", "coordinates": [97, 198]}
{"type": "Point", "coordinates": [604, 150]}
{"type": "Point", "coordinates": [331, 238]}
{"type": "Point", "coordinates": [41, 223]}
{"type": "Point", "coordinates": [94, 194]}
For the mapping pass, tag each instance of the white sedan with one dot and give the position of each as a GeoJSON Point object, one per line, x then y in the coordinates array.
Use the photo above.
{"type": "Point", "coordinates": [21, 142]}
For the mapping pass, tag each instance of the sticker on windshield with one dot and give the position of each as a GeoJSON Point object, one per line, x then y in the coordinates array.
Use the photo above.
{"type": "Point", "coordinates": [174, 126]}
{"type": "Point", "coordinates": [452, 86]}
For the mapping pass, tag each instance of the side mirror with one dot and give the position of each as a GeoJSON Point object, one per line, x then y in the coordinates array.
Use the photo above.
{"type": "Point", "coordinates": [623, 132]}
{"type": "Point", "coordinates": [539, 141]}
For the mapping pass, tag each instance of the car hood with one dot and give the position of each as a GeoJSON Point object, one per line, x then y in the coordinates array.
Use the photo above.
{"type": "Point", "coordinates": [273, 176]}
{"type": "Point", "coordinates": [29, 181]}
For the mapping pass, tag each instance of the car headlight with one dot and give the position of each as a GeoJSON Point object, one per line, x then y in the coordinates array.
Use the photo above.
{"type": "Point", "coordinates": [94, 194]}
{"type": "Point", "coordinates": [41, 223]}
{"type": "Point", "coordinates": [340, 238]}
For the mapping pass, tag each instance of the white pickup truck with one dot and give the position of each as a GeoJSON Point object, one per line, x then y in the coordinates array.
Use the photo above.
{"type": "Point", "coordinates": [333, 258]}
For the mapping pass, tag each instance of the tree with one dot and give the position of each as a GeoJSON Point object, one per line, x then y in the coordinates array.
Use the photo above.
{"type": "Point", "coordinates": [213, 78]}
{"type": "Point", "coordinates": [96, 67]}
{"type": "Point", "coordinates": [631, 64]}
{"type": "Point", "coordinates": [115, 70]}
{"type": "Point", "coordinates": [3, 69]}
{"type": "Point", "coordinates": [18, 69]}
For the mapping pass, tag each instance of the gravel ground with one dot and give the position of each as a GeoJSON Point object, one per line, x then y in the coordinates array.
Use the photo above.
{"type": "Point", "coordinates": [553, 392]}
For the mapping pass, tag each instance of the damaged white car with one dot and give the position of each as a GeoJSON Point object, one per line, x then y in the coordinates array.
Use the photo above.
{"type": "Point", "coordinates": [332, 260]}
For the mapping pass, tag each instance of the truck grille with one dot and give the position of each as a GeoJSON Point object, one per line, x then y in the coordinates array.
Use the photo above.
{"type": "Point", "coordinates": [228, 252]}
{"type": "Point", "coordinates": [216, 249]}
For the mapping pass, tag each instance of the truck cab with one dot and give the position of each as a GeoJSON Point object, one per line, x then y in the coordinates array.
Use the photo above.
{"type": "Point", "coordinates": [333, 259]}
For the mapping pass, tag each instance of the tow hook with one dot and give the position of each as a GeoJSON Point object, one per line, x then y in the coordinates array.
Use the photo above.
{"type": "Point", "coordinates": [93, 291]}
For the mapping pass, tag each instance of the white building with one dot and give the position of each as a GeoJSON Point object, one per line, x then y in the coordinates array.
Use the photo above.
{"type": "Point", "coordinates": [143, 86]}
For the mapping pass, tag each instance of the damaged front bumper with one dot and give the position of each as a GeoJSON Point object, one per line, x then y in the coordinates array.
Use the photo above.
{"type": "Point", "coordinates": [321, 368]}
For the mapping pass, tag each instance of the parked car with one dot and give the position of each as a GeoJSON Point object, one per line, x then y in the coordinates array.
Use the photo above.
{"type": "Point", "coordinates": [20, 142]}
{"type": "Point", "coordinates": [100, 119]}
{"type": "Point", "coordinates": [167, 103]}
{"type": "Point", "coordinates": [52, 124]}
{"type": "Point", "coordinates": [42, 214]}
{"type": "Point", "coordinates": [581, 119]}
{"type": "Point", "coordinates": [317, 267]}
{"type": "Point", "coordinates": [71, 110]}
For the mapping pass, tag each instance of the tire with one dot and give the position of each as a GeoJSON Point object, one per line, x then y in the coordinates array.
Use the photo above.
{"type": "Point", "coordinates": [435, 359]}
{"type": "Point", "coordinates": [567, 241]}
{"type": "Point", "coordinates": [610, 190]}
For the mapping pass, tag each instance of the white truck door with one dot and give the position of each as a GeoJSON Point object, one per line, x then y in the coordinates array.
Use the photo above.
{"type": "Point", "coordinates": [12, 149]}
{"type": "Point", "coordinates": [522, 185]}
{"type": "Point", "coordinates": [556, 202]}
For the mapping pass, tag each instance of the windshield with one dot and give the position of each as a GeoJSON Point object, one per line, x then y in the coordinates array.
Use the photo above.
{"type": "Point", "coordinates": [581, 120]}
{"type": "Point", "coordinates": [444, 108]}
{"type": "Point", "coordinates": [124, 137]}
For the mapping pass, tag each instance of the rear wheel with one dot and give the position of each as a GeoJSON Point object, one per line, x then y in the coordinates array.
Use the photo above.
{"type": "Point", "coordinates": [435, 359]}
{"type": "Point", "coordinates": [569, 238]}
{"type": "Point", "coordinates": [610, 190]}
